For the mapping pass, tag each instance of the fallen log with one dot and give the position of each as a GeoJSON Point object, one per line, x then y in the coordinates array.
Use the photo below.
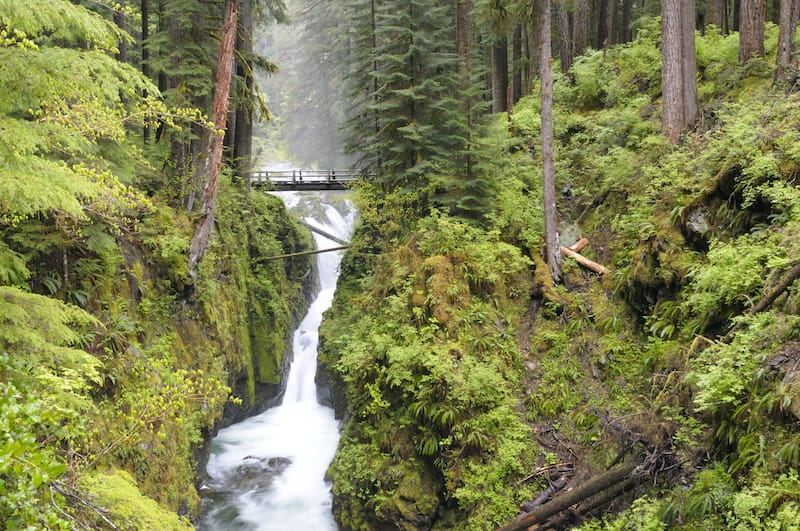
{"type": "Point", "coordinates": [579, 245]}
{"type": "Point", "coordinates": [554, 487]}
{"type": "Point", "coordinates": [582, 260]}
{"type": "Point", "coordinates": [585, 507]}
{"type": "Point", "coordinates": [596, 484]}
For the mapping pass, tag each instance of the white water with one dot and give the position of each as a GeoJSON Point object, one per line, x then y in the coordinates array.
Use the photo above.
{"type": "Point", "coordinates": [251, 487]}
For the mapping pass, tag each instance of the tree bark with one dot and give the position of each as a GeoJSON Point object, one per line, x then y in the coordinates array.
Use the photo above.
{"type": "Point", "coordinates": [119, 20]}
{"type": "Point", "coordinates": [715, 14]}
{"type": "Point", "coordinates": [671, 70]}
{"type": "Point", "coordinates": [243, 136]}
{"type": "Point", "coordinates": [500, 75]}
{"type": "Point", "coordinates": [678, 72]}
{"type": "Point", "coordinates": [737, 10]}
{"type": "Point", "coordinates": [516, 63]}
{"type": "Point", "coordinates": [785, 67]}
{"type": "Point", "coordinates": [625, 31]}
{"type": "Point", "coordinates": [145, 8]}
{"type": "Point", "coordinates": [464, 37]}
{"type": "Point", "coordinates": [213, 160]}
{"type": "Point", "coordinates": [580, 27]}
{"type": "Point", "coordinates": [605, 24]}
{"type": "Point", "coordinates": [688, 64]}
{"type": "Point", "coordinates": [553, 255]}
{"type": "Point", "coordinates": [564, 37]}
{"type": "Point", "coordinates": [751, 33]}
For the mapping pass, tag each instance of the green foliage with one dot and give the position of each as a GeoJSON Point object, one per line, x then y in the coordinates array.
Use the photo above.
{"type": "Point", "coordinates": [27, 466]}
{"type": "Point", "coordinates": [428, 371]}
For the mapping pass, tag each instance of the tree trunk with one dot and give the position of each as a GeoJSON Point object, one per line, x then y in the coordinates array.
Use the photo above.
{"type": "Point", "coordinates": [737, 10]}
{"type": "Point", "coordinates": [580, 27]}
{"type": "Point", "coordinates": [553, 252]}
{"type": "Point", "coordinates": [678, 72]}
{"type": "Point", "coordinates": [516, 55]}
{"type": "Point", "coordinates": [535, 41]}
{"type": "Point", "coordinates": [751, 33]}
{"type": "Point", "coordinates": [564, 37]}
{"type": "Point", "coordinates": [243, 137]}
{"type": "Point", "coordinates": [625, 31]}
{"type": "Point", "coordinates": [145, 8]}
{"type": "Point", "coordinates": [785, 67]}
{"type": "Point", "coordinates": [688, 64]}
{"type": "Point", "coordinates": [715, 14]}
{"type": "Point", "coordinates": [213, 160]}
{"type": "Point", "coordinates": [605, 24]}
{"type": "Point", "coordinates": [464, 38]}
{"type": "Point", "coordinates": [500, 75]}
{"type": "Point", "coordinates": [119, 20]}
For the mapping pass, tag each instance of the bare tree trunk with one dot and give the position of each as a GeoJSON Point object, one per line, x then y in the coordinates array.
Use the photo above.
{"type": "Point", "coordinates": [751, 33]}
{"type": "Point", "coordinates": [516, 64]}
{"type": "Point", "coordinates": [603, 39]}
{"type": "Point", "coordinates": [119, 20]}
{"type": "Point", "coordinates": [243, 137]}
{"type": "Point", "coordinates": [500, 75]}
{"type": "Point", "coordinates": [553, 251]}
{"type": "Point", "coordinates": [625, 31]}
{"type": "Point", "coordinates": [564, 37]}
{"type": "Point", "coordinates": [464, 38]}
{"type": "Point", "coordinates": [715, 14]}
{"type": "Point", "coordinates": [737, 11]}
{"type": "Point", "coordinates": [671, 69]}
{"type": "Point", "coordinates": [145, 8]}
{"type": "Point", "coordinates": [535, 41]}
{"type": "Point", "coordinates": [580, 27]}
{"type": "Point", "coordinates": [213, 160]}
{"type": "Point", "coordinates": [688, 64]}
{"type": "Point", "coordinates": [785, 67]}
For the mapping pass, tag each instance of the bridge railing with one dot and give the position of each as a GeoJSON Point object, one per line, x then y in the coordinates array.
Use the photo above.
{"type": "Point", "coordinates": [301, 177]}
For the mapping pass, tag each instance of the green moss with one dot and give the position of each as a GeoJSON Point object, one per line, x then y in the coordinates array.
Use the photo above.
{"type": "Point", "coordinates": [116, 492]}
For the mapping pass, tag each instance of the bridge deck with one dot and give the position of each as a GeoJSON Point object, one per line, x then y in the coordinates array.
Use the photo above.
{"type": "Point", "coordinates": [285, 180]}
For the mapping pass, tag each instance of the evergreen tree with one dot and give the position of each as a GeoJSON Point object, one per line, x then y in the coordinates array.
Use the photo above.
{"type": "Point", "coordinates": [410, 125]}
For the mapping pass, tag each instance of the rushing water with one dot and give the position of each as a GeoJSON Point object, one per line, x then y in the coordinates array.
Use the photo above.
{"type": "Point", "coordinates": [268, 472]}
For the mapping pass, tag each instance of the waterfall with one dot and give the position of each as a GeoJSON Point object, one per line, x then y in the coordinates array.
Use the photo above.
{"type": "Point", "coordinates": [268, 472]}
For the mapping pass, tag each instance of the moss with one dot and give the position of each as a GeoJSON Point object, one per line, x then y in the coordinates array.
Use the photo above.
{"type": "Point", "coordinates": [116, 492]}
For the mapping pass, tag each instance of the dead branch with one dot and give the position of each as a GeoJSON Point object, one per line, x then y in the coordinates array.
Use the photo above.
{"type": "Point", "coordinates": [554, 487]}
{"type": "Point", "coordinates": [579, 245]}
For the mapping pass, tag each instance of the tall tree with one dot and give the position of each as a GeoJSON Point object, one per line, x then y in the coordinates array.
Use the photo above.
{"type": "Point", "coordinates": [605, 23]}
{"type": "Point", "coordinates": [678, 73]}
{"type": "Point", "coordinates": [564, 36]}
{"type": "Point", "coordinates": [243, 119]}
{"type": "Point", "coordinates": [715, 14]}
{"type": "Point", "coordinates": [211, 164]}
{"type": "Point", "coordinates": [751, 29]}
{"type": "Point", "coordinates": [580, 26]}
{"type": "Point", "coordinates": [552, 249]}
{"type": "Point", "coordinates": [785, 66]}
{"type": "Point", "coordinates": [625, 30]}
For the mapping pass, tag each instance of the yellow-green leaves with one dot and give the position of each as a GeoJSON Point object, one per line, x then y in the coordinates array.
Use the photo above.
{"type": "Point", "coordinates": [45, 21]}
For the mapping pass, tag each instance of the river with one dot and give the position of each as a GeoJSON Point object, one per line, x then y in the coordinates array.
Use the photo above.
{"type": "Point", "coordinates": [267, 473]}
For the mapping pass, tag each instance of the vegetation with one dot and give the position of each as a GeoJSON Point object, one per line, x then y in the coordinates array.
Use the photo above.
{"type": "Point", "coordinates": [115, 366]}
{"type": "Point", "coordinates": [464, 376]}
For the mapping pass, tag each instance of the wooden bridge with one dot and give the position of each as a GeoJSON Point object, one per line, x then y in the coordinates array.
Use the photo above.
{"type": "Point", "coordinates": [286, 180]}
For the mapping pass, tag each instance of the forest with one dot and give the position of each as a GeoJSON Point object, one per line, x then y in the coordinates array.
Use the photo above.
{"type": "Point", "coordinates": [571, 299]}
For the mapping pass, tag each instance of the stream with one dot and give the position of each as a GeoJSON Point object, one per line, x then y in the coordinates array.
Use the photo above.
{"type": "Point", "coordinates": [268, 471]}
